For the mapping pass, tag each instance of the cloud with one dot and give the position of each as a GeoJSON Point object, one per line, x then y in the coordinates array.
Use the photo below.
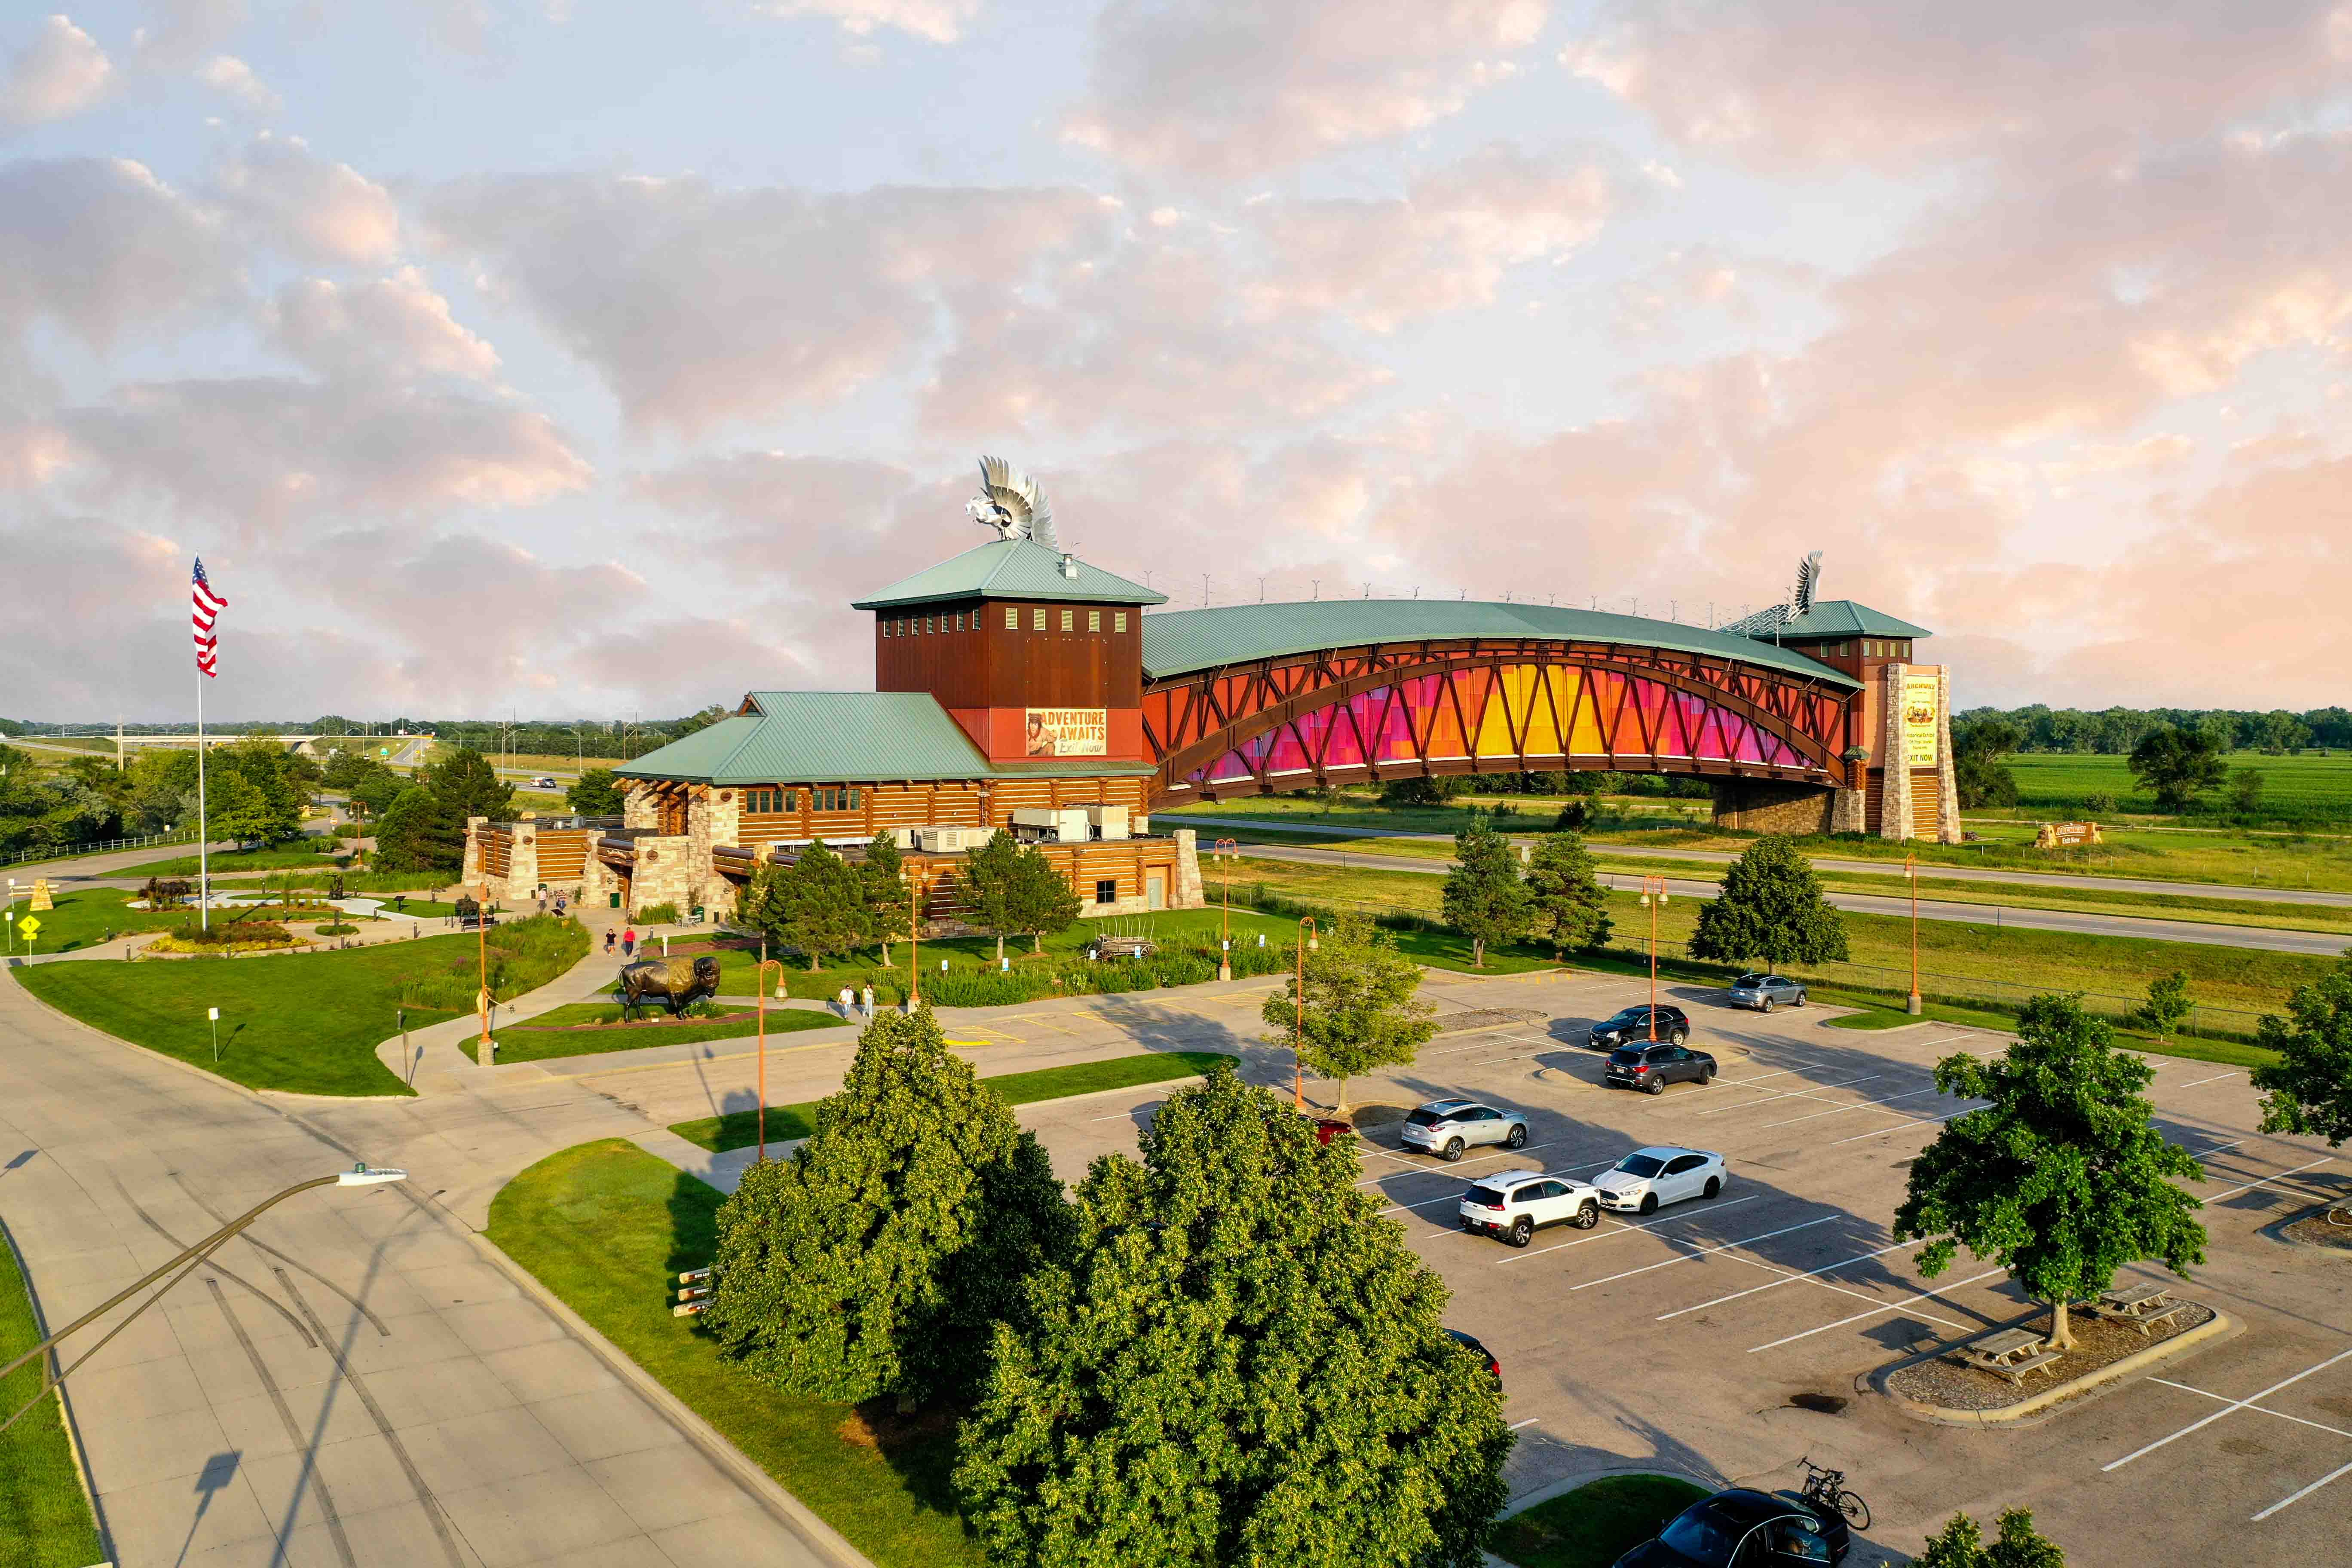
{"type": "Point", "coordinates": [61, 73]}
{"type": "Point", "coordinates": [323, 213]}
{"type": "Point", "coordinates": [700, 305]}
{"type": "Point", "coordinates": [183, 30]}
{"type": "Point", "coordinates": [395, 327]}
{"type": "Point", "coordinates": [1224, 88]}
{"type": "Point", "coordinates": [1798, 82]}
{"type": "Point", "coordinates": [228, 75]}
{"type": "Point", "coordinates": [1445, 245]}
{"type": "Point", "coordinates": [935, 21]}
{"type": "Point", "coordinates": [97, 246]}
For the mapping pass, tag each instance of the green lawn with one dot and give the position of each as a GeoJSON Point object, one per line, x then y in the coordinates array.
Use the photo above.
{"type": "Point", "coordinates": [44, 1519]}
{"type": "Point", "coordinates": [739, 1129]}
{"type": "Point", "coordinates": [2064, 781]}
{"type": "Point", "coordinates": [1594, 1525]}
{"type": "Point", "coordinates": [535, 1040]}
{"type": "Point", "coordinates": [86, 918]}
{"type": "Point", "coordinates": [607, 1228]}
{"type": "Point", "coordinates": [305, 1022]}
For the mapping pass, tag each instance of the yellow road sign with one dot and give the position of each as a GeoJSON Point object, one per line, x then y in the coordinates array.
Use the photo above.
{"type": "Point", "coordinates": [30, 926]}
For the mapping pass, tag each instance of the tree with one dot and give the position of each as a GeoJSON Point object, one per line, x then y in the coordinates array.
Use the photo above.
{"type": "Point", "coordinates": [236, 809]}
{"type": "Point", "coordinates": [1961, 1544]}
{"type": "Point", "coordinates": [468, 786]}
{"type": "Point", "coordinates": [887, 896]}
{"type": "Point", "coordinates": [1360, 1011]}
{"type": "Point", "coordinates": [418, 833]}
{"type": "Point", "coordinates": [2180, 763]}
{"type": "Point", "coordinates": [990, 883]}
{"type": "Point", "coordinates": [2245, 789]}
{"type": "Point", "coordinates": [1243, 1363]}
{"type": "Point", "coordinates": [377, 788]}
{"type": "Point", "coordinates": [1419, 791]}
{"type": "Point", "coordinates": [2167, 1005]}
{"type": "Point", "coordinates": [596, 794]}
{"type": "Point", "coordinates": [1978, 746]}
{"type": "Point", "coordinates": [1043, 898]}
{"type": "Point", "coordinates": [816, 904]}
{"type": "Point", "coordinates": [2308, 1090]}
{"type": "Point", "coordinates": [2063, 1178]}
{"type": "Point", "coordinates": [1569, 903]}
{"type": "Point", "coordinates": [276, 814]}
{"type": "Point", "coordinates": [877, 1259]}
{"type": "Point", "coordinates": [1770, 907]}
{"type": "Point", "coordinates": [1485, 900]}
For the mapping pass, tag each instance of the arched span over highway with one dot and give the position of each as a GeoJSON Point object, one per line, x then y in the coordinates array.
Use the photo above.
{"type": "Point", "coordinates": [1254, 698]}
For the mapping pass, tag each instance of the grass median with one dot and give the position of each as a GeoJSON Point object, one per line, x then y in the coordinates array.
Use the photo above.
{"type": "Point", "coordinates": [607, 1226]}
{"type": "Point", "coordinates": [1594, 1525]}
{"type": "Point", "coordinates": [739, 1129]}
{"type": "Point", "coordinates": [45, 1519]}
{"type": "Point", "coordinates": [588, 1028]}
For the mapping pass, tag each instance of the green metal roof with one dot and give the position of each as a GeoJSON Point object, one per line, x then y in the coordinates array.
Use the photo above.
{"type": "Point", "coordinates": [1845, 618]}
{"type": "Point", "coordinates": [1010, 569]}
{"type": "Point", "coordinates": [844, 737]}
{"type": "Point", "coordinates": [1179, 641]}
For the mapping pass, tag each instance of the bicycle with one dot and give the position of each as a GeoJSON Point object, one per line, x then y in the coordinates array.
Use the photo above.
{"type": "Point", "coordinates": [1828, 1487]}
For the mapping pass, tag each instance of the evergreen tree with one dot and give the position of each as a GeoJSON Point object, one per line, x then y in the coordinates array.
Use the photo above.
{"type": "Point", "coordinates": [816, 905]}
{"type": "Point", "coordinates": [2308, 1090]}
{"type": "Point", "coordinates": [878, 1259]}
{"type": "Point", "coordinates": [1770, 907]}
{"type": "Point", "coordinates": [417, 833]}
{"type": "Point", "coordinates": [1360, 1011]}
{"type": "Point", "coordinates": [1043, 898]}
{"type": "Point", "coordinates": [1243, 1365]}
{"type": "Point", "coordinates": [1961, 1544]}
{"type": "Point", "coordinates": [888, 899]}
{"type": "Point", "coordinates": [1485, 900]}
{"type": "Point", "coordinates": [596, 793]}
{"type": "Point", "coordinates": [990, 882]}
{"type": "Point", "coordinates": [2063, 1178]}
{"type": "Point", "coordinates": [1569, 902]}
{"type": "Point", "coordinates": [467, 783]}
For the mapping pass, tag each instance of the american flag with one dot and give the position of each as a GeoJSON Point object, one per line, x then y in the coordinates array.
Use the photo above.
{"type": "Point", "coordinates": [208, 606]}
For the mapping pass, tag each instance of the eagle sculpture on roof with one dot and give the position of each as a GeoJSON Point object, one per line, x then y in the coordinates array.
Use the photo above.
{"type": "Point", "coordinates": [1013, 503]}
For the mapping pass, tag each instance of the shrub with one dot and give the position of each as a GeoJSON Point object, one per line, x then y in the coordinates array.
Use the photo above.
{"type": "Point", "coordinates": [662, 914]}
{"type": "Point", "coordinates": [337, 930]}
{"type": "Point", "coordinates": [230, 933]}
{"type": "Point", "coordinates": [2102, 804]}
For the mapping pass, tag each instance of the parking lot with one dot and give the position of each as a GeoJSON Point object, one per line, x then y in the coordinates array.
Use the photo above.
{"type": "Point", "coordinates": [1684, 1340]}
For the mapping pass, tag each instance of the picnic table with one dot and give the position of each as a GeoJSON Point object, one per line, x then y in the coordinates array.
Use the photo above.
{"type": "Point", "coordinates": [2011, 1353]}
{"type": "Point", "coordinates": [2141, 1306]}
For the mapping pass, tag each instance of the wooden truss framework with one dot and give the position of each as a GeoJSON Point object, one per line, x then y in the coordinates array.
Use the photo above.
{"type": "Point", "coordinates": [1193, 722]}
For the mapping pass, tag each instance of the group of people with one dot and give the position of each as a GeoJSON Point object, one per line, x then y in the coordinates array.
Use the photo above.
{"type": "Point", "coordinates": [629, 943]}
{"type": "Point", "coordinates": [852, 1003]}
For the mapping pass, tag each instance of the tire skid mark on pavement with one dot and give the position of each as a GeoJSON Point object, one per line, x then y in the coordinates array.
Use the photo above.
{"type": "Point", "coordinates": [309, 1477]}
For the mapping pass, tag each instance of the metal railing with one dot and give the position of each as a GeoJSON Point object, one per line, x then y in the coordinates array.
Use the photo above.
{"type": "Point", "coordinates": [96, 846]}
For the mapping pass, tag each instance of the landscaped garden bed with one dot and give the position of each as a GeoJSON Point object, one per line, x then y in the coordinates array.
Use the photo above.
{"type": "Point", "coordinates": [1938, 1383]}
{"type": "Point", "coordinates": [2328, 1226]}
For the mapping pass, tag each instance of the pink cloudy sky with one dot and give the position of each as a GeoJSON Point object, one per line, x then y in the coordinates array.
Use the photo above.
{"type": "Point", "coordinates": [584, 359]}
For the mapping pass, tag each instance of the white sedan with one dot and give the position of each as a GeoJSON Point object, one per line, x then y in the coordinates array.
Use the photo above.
{"type": "Point", "coordinates": [1646, 1178]}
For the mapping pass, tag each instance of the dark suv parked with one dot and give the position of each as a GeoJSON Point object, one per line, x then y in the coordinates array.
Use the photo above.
{"type": "Point", "coordinates": [1633, 1023]}
{"type": "Point", "coordinates": [1651, 1067]}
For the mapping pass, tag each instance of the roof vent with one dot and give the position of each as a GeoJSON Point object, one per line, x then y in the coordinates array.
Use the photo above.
{"type": "Point", "coordinates": [1069, 566]}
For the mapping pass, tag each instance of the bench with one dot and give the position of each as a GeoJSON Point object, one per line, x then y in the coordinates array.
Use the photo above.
{"type": "Point", "coordinates": [2012, 1369]}
{"type": "Point", "coordinates": [2141, 1306]}
{"type": "Point", "coordinates": [2144, 1321]}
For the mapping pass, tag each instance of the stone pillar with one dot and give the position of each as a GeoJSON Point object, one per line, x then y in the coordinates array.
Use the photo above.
{"type": "Point", "coordinates": [1849, 811]}
{"type": "Point", "coordinates": [1188, 892]}
{"type": "Point", "coordinates": [471, 872]}
{"type": "Point", "coordinates": [1772, 806]}
{"type": "Point", "coordinates": [698, 840]}
{"type": "Point", "coordinates": [1948, 786]}
{"type": "Point", "coordinates": [522, 859]}
{"type": "Point", "coordinates": [638, 809]}
{"type": "Point", "coordinates": [1894, 767]}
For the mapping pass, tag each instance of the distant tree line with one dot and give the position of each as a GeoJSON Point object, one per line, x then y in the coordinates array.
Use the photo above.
{"type": "Point", "coordinates": [253, 792]}
{"type": "Point", "coordinates": [539, 737]}
{"type": "Point", "coordinates": [2117, 732]}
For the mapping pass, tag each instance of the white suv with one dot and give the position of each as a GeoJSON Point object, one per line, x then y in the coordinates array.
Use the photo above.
{"type": "Point", "coordinates": [1446, 1126]}
{"type": "Point", "coordinates": [1514, 1204]}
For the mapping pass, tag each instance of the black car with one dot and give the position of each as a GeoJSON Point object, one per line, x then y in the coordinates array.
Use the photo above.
{"type": "Point", "coordinates": [1745, 1529]}
{"type": "Point", "coordinates": [1651, 1067]}
{"type": "Point", "coordinates": [1494, 1367]}
{"type": "Point", "coordinates": [1634, 1023]}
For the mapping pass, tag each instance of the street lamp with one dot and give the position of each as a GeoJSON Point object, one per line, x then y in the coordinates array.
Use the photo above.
{"type": "Point", "coordinates": [1654, 899]}
{"type": "Point", "coordinates": [357, 1177]}
{"type": "Point", "coordinates": [759, 985]}
{"type": "Point", "coordinates": [915, 895]}
{"type": "Point", "coordinates": [1307, 943]}
{"type": "Point", "coordinates": [1911, 870]}
{"type": "Point", "coordinates": [483, 1049]}
{"type": "Point", "coordinates": [1227, 850]}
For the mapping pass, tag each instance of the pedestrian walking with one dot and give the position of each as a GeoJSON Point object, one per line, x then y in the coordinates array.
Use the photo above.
{"type": "Point", "coordinates": [629, 942]}
{"type": "Point", "coordinates": [869, 999]}
{"type": "Point", "coordinates": [848, 1004]}
{"type": "Point", "coordinates": [608, 942]}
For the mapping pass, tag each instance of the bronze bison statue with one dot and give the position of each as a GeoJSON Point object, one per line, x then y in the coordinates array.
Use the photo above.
{"type": "Point", "coordinates": [681, 981]}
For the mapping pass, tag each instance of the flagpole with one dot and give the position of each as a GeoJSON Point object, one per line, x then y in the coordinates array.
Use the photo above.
{"type": "Point", "coordinates": [204, 870]}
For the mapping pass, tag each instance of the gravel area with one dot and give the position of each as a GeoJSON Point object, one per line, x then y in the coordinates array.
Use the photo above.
{"type": "Point", "coordinates": [2314, 1229]}
{"type": "Point", "coordinates": [2097, 1343]}
{"type": "Point", "coordinates": [1486, 1019]}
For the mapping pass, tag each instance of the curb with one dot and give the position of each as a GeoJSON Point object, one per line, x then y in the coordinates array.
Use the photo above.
{"type": "Point", "coordinates": [2219, 1326]}
{"type": "Point", "coordinates": [2276, 1232]}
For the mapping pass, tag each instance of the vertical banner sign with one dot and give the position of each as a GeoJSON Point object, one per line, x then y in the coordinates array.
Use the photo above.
{"type": "Point", "coordinates": [1068, 732]}
{"type": "Point", "coordinates": [1919, 703]}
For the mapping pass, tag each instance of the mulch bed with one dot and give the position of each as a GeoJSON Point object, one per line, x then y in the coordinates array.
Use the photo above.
{"type": "Point", "coordinates": [1486, 1019]}
{"type": "Point", "coordinates": [2314, 1229]}
{"type": "Point", "coordinates": [2099, 1343]}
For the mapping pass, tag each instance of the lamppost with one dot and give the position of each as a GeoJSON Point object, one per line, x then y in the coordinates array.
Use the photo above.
{"type": "Point", "coordinates": [1308, 943]}
{"type": "Point", "coordinates": [483, 1049]}
{"type": "Point", "coordinates": [915, 894]}
{"type": "Point", "coordinates": [759, 985]}
{"type": "Point", "coordinates": [1911, 870]}
{"type": "Point", "coordinates": [1227, 850]}
{"type": "Point", "coordinates": [357, 1177]}
{"type": "Point", "coordinates": [1654, 899]}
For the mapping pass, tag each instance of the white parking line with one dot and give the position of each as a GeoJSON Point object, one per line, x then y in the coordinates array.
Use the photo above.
{"type": "Point", "coordinates": [1915, 1122]}
{"type": "Point", "coordinates": [2295, 1497]}
{"type": "Point", "coordinates": [2215, 1078]}
{"type": "Point", "coordinates": [2261, 1410]}
{"type": "Point", "coordinates": [1890, 1307]}
{"type": "Point", "coordinates": [1618, 1228]}
{"type": "Point", "coordinates": [1794, 1093]}
{"type": "Point", "coordinates": [1825, 1268]}
{"type": "Point", "coordinates": [1705, 1252]}
{"type": "Point", "coordinates": [1858, 1105]}
{"type": "Point", "coordinates": [2216, 1148]}
{"type": "Point", "coordinates": [2233, 1404]}
{"type": "Point", "coordinates": [2267, 1181]}
{"type": "Point", "coordinates": [1760, 1077]}
{"type": "Point", "coordinates": [1528, 1422]}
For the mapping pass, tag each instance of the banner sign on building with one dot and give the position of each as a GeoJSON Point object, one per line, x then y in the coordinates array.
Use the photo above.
{"type": "Point", "coordinates": [1919, 701]}
{"type": "Point", "coordinates": [1069, 732]}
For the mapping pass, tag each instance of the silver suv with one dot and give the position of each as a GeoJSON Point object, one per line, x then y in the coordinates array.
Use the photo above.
{"type": "Point", "coordinates": [1447, 1127]}
{"type": "Point", "coordinates": [1763, 992]}
{"type": "Point", "coordinates": [1514, 1205]}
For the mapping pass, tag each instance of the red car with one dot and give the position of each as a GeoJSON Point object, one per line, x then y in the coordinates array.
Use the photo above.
{"type": "Point", "coordinates": [1326, 1129]}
